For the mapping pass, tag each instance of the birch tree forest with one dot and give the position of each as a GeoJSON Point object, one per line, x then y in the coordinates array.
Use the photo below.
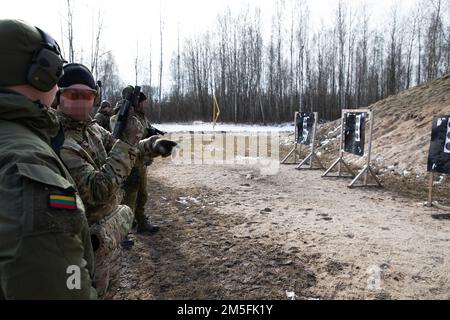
{"type": "Point", "coordinates": [349, 62]}
{"type": "Point", "coordinates": [263, 71]}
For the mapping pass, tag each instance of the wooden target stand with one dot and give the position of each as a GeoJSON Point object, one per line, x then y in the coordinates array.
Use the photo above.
{"type": "Point", "coordinates": [312, 155]}
{"type": "Point", "coordinates": [297, 147]}
{"type": "Point", "coordinates": [340, 161]}
{"type": "Point", "coordinates": [296, 151]}
{"type": "Point", "coordinates": [430, 203]}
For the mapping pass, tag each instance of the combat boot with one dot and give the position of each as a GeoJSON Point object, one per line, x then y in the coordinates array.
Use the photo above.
{"type": "Point", "coordinates": [147, 227]}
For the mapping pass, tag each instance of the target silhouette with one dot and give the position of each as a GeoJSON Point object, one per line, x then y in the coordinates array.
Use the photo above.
{"type": "Point", "coordinates": [438, 155]}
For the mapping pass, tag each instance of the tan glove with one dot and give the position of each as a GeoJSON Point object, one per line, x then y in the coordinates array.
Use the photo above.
{"type": "Point", "coordinates": [156, 146]}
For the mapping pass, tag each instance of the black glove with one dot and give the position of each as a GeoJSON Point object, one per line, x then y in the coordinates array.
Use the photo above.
{"type": "Point", "coordinates": [164, 147]}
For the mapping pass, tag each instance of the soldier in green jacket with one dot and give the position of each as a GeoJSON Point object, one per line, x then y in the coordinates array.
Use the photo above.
{"type": "Point", "coordinates": [136, 185]}
{"type": "Point", "coordinates": [104, 114]}
{"type": "Point", "coordinates": [45, 247]}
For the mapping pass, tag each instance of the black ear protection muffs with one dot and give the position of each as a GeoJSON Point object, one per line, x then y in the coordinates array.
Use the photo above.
{"type": "Point", "coordinates": [46, 66]}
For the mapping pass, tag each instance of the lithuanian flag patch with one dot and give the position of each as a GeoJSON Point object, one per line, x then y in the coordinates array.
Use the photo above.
{"type": "Point", "coordinates": [62, 202]}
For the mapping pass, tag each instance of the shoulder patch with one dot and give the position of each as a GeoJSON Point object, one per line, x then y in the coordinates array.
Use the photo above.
{"type": "Point", "coordinates": [58, 201]}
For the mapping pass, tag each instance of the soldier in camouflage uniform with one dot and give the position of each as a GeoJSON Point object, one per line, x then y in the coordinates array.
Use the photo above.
{"type": "Point", "coordinates": [99, 164]}
{"type": "Point", "coordinates": [45, 247]}
{"type": "Point", "coordinates": [136, 185]}
{"type": "Point", "coordinates": [104, 114]}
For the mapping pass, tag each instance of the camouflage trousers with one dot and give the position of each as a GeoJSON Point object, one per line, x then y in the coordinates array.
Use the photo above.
{"type": "Point", "coordinates": [136, 192]}
{"type": "Point", "coordinates": [106, 237]}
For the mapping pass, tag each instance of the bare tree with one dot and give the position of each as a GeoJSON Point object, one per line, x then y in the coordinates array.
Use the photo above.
{"type": "Point", "coordinates": [346, 63]}
{"type": "Point", "coordinates": [341, 32]}
{"type": "Point", "coordinates": [95, 44]}
{"type": "Point", "coordinates": [291, 62]}
{"type": "Point", "coordinates": [279, 85]}
{"type": "Point", "coordinates": [161, 27]}
{"type": "Point", "coordinates": [302, 47]}
{"type": "Point", "coordinates": [136, 65]}
{"type": "Point", "coordinates": [178, 64]}
{"type": "Point", "coordinates": [350, 57]}
{"type": "Point", "coordinates": [70, 31]}
{"type": "Point", "coordinates": [414, 21]}
{"type": "Point", "coordinates": [394, 54]}
{"type": "Point", "coordinates": [150, 65]}
{"type": "Point", "coordinates": [361, 60]}
{"type": "Point", "coordinates": [108, 74]}
{"type": "Point", "coordinates": [433, 48]}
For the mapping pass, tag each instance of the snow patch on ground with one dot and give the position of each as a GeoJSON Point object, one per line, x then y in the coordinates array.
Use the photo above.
{"type": "Point", "coordinates": [186, 200]}
{"type": "Point", "coordinates": [227, 127]}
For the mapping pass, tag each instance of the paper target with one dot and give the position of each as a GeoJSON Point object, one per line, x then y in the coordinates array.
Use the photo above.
{"type": "Point", "coordinates": [439, 154]}
{"type": "Point", "coordinates": [305, 126]}
{"type": "Point", "coordinates": [354, 133]}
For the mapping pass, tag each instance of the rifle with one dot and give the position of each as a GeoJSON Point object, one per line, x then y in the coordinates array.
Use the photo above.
{"type": "Point", "coordinates": [131, 100]}
{"type": "Point", "coordinates": [100, 92]}
{"type": "Point", "coordinates": [152, 131]}
{"type": "Point", "coordinates": [98, 98]}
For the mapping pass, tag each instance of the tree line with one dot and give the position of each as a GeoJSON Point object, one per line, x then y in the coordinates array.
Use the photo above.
{"type": "Point", "coordinates": [264, 76]}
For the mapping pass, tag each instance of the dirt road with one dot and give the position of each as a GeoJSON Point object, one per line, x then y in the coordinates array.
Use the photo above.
{"type": "Point", "coordinates": [229, 233]}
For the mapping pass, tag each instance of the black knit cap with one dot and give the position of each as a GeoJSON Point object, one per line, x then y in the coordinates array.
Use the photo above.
{"type": "Point", "coordinates": [75, 73]}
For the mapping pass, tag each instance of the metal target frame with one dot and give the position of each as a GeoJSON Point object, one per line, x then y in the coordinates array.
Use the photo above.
{"type": "Point", "coordinates": [367, 169]}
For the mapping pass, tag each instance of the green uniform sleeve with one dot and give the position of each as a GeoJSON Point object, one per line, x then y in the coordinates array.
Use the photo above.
{"type": "Point", "coordinates": [98, 117]}
{"type": "Point", "coordinates": [98, 186]}
{"type": "Point", "coordinates": [146, 148]}
{"type": "Point", "coordinates": [103, 121]}
{"type": "Point", "coordinates": [108, 139]}
{"type": "Point", "coordinates": [134, 129]}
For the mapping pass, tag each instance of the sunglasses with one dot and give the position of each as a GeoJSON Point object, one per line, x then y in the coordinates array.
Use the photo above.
{"type": "Point", "coordinates": [78, 94]}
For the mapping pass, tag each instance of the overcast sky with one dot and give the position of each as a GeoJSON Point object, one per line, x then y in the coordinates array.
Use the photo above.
{"type": "Point", "coordinates": [130, 25]}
